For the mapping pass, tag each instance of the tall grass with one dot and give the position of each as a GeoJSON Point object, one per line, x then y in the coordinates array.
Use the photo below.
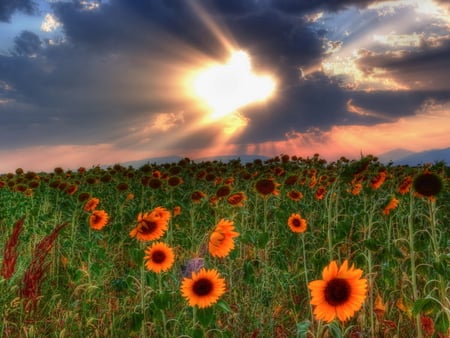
{"type": "Point", "coordinates": [94, 283]}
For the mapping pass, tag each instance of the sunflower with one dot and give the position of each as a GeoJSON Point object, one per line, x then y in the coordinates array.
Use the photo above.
{"type": "Point", "coordinates": [320, 193]}
{"type": "Point", "coordinates": [237, 199]}
{"type": "Point", "coordinates": [197, 196]}
{"type": "Point", "coordinates": [427, 184]}
{"type": "Point", "coordinates": [393, 203]}
{"type": "Point", "coordinates": [405, 186]}
{"type": "Point", "coordinates": [173, 181]}
{"type": "Point", "coordinates": [151, 225]}
{"type": "Point", "coordinates": [378, 180]}
{"type": "Point", "coordinates": [203, 288]}
{"type": "Point", "coordinates": [221, 240]}
{"type": "Point", "coordinates": [340, 293]}
{"type": "Point", "coordinates": [91, 204]}
{"type": "Point", "coordinates": [296, 223]}
{"type": "Point", "coordinates": [176, 210]}
{"type": "Point", "coordinates": [267, 186]}
{"type": "Point", "coordinates": [159, 257]}
{"type": "Point", "coordinates": [295, 195]}
{"type": "Point", "coordinates": [223, 191]}
{"type": "Point", "coordinates": [98, 219]}
{"type": "Point", "coordinates": [71, 189]}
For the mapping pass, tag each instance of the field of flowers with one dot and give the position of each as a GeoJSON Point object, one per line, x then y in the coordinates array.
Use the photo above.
{"type": "Point", "coordinates": [287, 247]}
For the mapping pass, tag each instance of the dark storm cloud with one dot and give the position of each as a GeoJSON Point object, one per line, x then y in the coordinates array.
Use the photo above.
{"type": "Point", "coordinates": [427, 67]}
{"type": "Point", "coordinates": [9, 7]}
{"type": "Point", "coordinates": [27, 44]}
{"type": "Point", "coordinates": [301, 6]}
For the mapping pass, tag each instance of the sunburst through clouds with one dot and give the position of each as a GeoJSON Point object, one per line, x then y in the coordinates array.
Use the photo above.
{"type": "Point", "coordinates": [224, 88]}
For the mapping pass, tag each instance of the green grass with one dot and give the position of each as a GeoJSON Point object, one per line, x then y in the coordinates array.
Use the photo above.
{"type": "Point", "coordinates": [95, 284]}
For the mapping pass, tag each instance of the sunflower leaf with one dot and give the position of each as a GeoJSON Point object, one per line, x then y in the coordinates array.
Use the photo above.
{"type": "Point", "coordinates": [224, 306]}
{"type": "Point", "coordinates": [302, 329]}
{"type": "Point", "coordinates": [335, 330]}
{"type": "Point", "coordinates": [423, 305]}
{"type": "Point", "coordinates": [205, 316]}
{"type": "Point", "coordinates": [442, 322]}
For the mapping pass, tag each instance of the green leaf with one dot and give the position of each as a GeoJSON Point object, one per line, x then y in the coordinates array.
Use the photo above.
{"type": "Point", "coordinates": [302, 329]}
{"type": "Point", "coordinates": [442, 323]}
{"type": "Point", "coordinates": [335, 330]}
{"type": "Point", "coordinates": [205, 316]}
{"type": "Point", "coordinates": [262, 239]}
{"type": "Point", "coordinates": [197, 333]}
{"type": "Point", "coordinates": [424, 305]}
{"type": "Point", "coordinates": [224, 306]}
{"type": "Point", "coordinates": [371, 244]}
{"type": "Point", "coordinates": [161, 300]}
{"type": "Point", "coordinates": [136, 321]}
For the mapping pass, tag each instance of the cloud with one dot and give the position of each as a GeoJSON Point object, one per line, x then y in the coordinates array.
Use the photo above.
{"type": "Point", "coordinates": [301, 6]}
{"type": "Point", "coordinates": [427, 67]}
{"type": "Point", "coordinates": [8, 8]}
{"type": "Point", "coordinates": [27, 44]}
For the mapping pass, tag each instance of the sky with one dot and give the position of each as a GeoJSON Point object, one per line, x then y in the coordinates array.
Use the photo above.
{"type": "Point", "coordinates": [86, 83]}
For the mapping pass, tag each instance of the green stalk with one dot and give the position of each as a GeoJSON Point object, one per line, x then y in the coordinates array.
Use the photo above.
{"type": "Point", "coordinates": [436, 251]}
{"type": "Point", "coordinates": [368, 235]}
{"type": "Point", "coordinates": [306, 278]}
{"type": "Point", "coordinates": [413, 260]}
{"type": "Point", "coordinates": [142, 296]}
{"type": "Point", "coordinates": [163, 314]}
{"type": "Point", "coordinates": [329, 220]}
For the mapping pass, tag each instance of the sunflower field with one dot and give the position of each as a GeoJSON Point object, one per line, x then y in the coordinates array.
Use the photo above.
{"type": "Point", "coordinates": [284, 247]}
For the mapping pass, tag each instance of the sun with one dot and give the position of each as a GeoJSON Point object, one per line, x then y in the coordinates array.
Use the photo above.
{"type": "Point", "coordinates": [224, 88]}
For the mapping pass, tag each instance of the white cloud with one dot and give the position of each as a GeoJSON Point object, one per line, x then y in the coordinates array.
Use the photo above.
{"type": "Point", "coordinates": [50, 23]}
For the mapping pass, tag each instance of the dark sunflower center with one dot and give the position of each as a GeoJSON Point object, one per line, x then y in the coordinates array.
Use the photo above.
{"type": "Point", "coordinates": [203, 287]}
{"type": "Point", "coordinates": [265, 187]}
{"type": "Point", "coordinates": [158, 256]}
{"type": "Point", "coordinates": [296, 222]}
{"type": "Point", "coordinates": [148, 227]}
{"type": "Point", "coordinates": [337, 291]}
{"type": "Point", "coordinates": [428, 184]}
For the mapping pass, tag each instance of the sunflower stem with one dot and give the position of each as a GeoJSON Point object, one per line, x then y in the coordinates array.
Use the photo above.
{"type": "Point", "coordinates": [142, 295]}
{"type": "Point", "coordinates": [413, 260]}
{"type": "Point", "coordinates": [306, 278]}
{"type": "Point", "coordinates": [329, 220]}
{"type": "Point", "coordinates": [435, 241]}
{"type": "Point", "coordinates": [370, 267]}
{"type": "Point", "coordinates": [163, 314]}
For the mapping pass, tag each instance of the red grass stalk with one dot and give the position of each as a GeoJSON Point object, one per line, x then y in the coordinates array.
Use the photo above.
{"type": "Point", "coordinates": [10, 253]}
{"type": "Point", "coordinates": [33, 276]}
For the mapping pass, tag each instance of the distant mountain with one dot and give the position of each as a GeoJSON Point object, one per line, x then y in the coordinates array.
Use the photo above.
{"type": "Point", "coordinates": [429, 156]}
{"type": "Point", "coordinates": [406, 157]}
{"type": "Point", "coordinates": [395, 155]}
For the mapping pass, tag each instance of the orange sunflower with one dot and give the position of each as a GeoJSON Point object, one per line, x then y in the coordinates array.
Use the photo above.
{"type": "Point", "coordinates": [267, 187]}
{"type": "Point", "coordinates": [296, 223]}
{"type": "Point", "coordinates": [221, 240]}
{"type": "Point", "coordinates": [340, 293]}
{"type": "Point", "coordinates": [151, 225]}
{"type": "Point", "coordinates": [98, 219]}
{"type": "Point", "coordinates": [203, 288]}
{"type": "Point", "coordinates": [393, 203]}
{"type": "Point", "coordinates": [159, 257]}
{"type": "Point", "coordinates": [237, 199]}
{"type": "Point", "coordinates": [91, 204]}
